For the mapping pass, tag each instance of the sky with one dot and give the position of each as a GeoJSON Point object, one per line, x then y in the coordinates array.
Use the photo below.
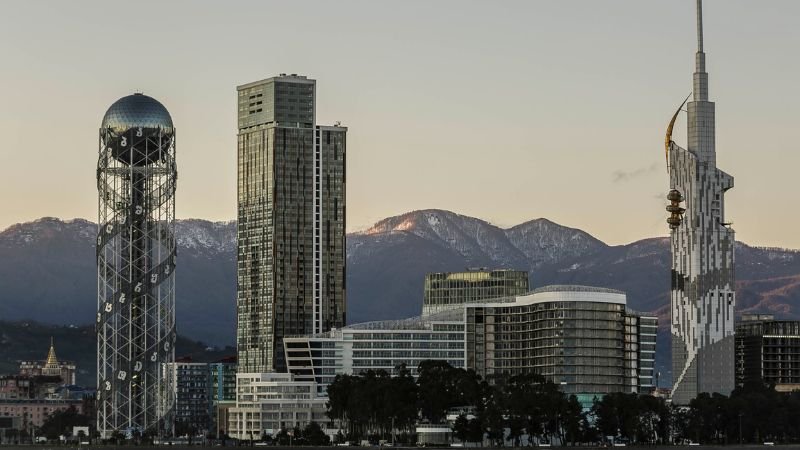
{"type": "Point", "coordinates": [506, 111]}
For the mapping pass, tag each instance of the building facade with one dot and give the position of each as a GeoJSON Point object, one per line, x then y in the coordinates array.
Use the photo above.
{"type": "Point", "coordinates": [16, 387]}
{"type": "Point", "coordinates": [452, 289]}
{"type": "Point", "coordinates": [703, 290]}
{"type": "Point", "coordinates": [291, 227]}
{"type": "Point", "coordinates": [768, 351]}
{"type": "Point", "coordinates": [50, 367]}
{"type": "Point", "coordinates": [223, 380]}
{"type": "Point", "coordinates": [202, 390]}
{"type": "Point", "coordinates": [267, 403]}
{"type": "Point", "coordinates": [384, 345]}
{"type": "Point", "coordinates": [581, 338]}
{"type": "Point", "coordinates": [32, 413]}
{"type": "Point", "coordinates": [136, 257]}
{"type": "Point", "coordinates": [648, 333]}
{"type": "Point", "coordinates": [223, 393]}
{"type": "Point", "coordinates": [193, 406]}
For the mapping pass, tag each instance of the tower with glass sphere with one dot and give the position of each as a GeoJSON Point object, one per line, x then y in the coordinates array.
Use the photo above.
{"type": "Point", "coordinates": [136, 176]}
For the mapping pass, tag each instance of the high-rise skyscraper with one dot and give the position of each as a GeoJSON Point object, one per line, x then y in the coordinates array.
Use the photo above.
{"type": "Point", "coordinates": [291, 208]}
{"type": "Point", "coordinates": [136, 176]}
{"type": "Point", "coordinates": [702, 296]}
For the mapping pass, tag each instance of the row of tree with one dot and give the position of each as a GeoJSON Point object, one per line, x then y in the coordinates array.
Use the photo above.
{"type": "Point", "coordinates": [375, 405]}
{"type": "Point", "coordinates": [527, 409]}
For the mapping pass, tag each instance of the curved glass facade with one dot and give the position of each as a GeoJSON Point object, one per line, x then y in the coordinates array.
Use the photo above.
{"type": "Point", "coordinates": [580, 338]}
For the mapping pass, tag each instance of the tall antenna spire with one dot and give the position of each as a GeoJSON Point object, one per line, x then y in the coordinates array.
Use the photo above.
{"type": "Point", "coordinates": [700, 26]}
{"type": "Point", "coordinates": [700, 75]}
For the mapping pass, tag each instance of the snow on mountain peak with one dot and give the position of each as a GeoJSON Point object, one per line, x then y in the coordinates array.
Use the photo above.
{"type": "Point", "coordinates": [523, 246]}
{"type": "Point", "coordinates": [190, 233]}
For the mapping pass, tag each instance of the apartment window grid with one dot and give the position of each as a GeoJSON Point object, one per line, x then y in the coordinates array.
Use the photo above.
{"type": "Point", "coordinates": [586, 347]}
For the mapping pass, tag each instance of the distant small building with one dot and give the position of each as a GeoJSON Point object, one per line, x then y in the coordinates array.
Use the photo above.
{"type": "Point", "coordinates": [447, 290]}
{"type": "Point", "coordinates": [72, 392]}
{"type": "Point", "coordinates": [648, 332]}
{"type": "Point", "coordinates": [223, 393]}
{"type": "Point", "coordinates": [9, 423]}
{"type": "Point", "coordinates": [50, 367]}
{"type": "Point", "coordinates": [223, 379]}
{"type": "Point", "coordinates": [192, 404]}
{"type": "Point", "coordinates": [34, 412]}
{"type": "Point", "coordinates": [22, 387]}
{"type": "Point", "coordinates": [15, 387]}
{"type": "Point", "coordinates": [202, 390]}
{"type": "Point", "coordinates": [768, 350]}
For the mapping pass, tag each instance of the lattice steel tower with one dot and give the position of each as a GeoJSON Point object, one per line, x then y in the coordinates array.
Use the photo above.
{"type": "Point", "coordinates": [136, 176]}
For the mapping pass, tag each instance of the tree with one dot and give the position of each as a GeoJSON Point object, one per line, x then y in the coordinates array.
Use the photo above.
{"type": "Point", "coordinates": [441, 387]}
{"type": "Point", "coordinates": [436, 393]}
{"type": "Point", "coordinates": [401, 400]}
{"type": "Point", "coordinates": [314, 435]}
{"type": "Point", "coordinates": [653, 420]}
{"type": "Point", "coordinates": [617, 415]}
{"type": "Point", "coordinates": [117, 437]}
{"type": "Point", "coordinates": [475, 431]}
{"type": "Point", "coordinates": [491, 413]}
{"type": "Point", "coordinates": [60, 422]}
{"type": "Point", "coordinates": [282, 438]}
{"type": "Point", "coordinates": [461, 428]}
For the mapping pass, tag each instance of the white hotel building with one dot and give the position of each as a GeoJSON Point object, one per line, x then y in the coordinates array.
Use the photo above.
{"type": "Point", "coordinates": [378, 345]}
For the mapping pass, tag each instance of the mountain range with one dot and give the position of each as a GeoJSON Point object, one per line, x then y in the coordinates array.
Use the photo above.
{"type": "Point", "coordinates": [47, 269]}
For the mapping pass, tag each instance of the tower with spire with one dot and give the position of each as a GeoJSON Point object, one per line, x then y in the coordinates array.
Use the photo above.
{"type": "Point", "coordinates": [51, 365]}
{"type": "Point", "coordinates": [702, 280]}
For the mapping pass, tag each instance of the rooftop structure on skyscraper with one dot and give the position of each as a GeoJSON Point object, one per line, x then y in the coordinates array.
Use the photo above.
{"type": "Point", "coordinates": [446, 290]}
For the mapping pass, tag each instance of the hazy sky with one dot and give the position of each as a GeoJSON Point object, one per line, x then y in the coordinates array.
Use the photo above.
{"type": "Point", "coordinates": [507, 111]}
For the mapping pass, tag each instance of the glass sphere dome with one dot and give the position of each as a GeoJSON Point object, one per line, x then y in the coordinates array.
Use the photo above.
{"type": "Point", "coordinates": [137, 110]}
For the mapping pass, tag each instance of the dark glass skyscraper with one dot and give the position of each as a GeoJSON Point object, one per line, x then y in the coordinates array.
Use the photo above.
{"type": "Point", "coordinates": [291, 208]}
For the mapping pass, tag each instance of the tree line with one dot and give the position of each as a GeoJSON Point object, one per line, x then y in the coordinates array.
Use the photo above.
{"type": "Point", "coordinates": [526, 409]}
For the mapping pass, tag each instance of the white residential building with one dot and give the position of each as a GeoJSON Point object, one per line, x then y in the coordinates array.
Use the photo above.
{"type": "Point", "coordinates": [269, 402]}
{"type": "Point", "coordinates": [382, 345]}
